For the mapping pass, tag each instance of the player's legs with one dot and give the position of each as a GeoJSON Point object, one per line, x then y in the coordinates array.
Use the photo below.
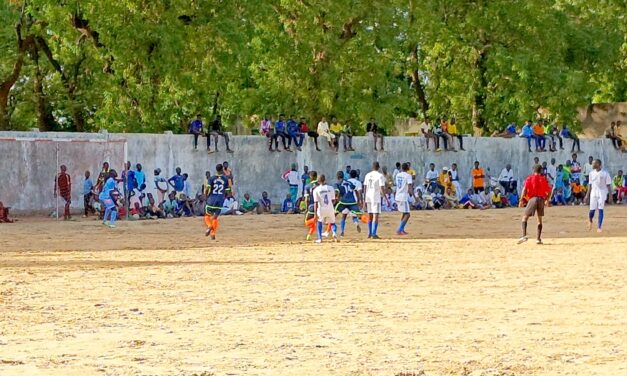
{"type": "Point", "coordinates": [539, 239]}
{"type": "Point", "coordinates": [403, 207]}
{"type": "Point", "coordinates": [355, 212]}
{"type": "Point", "coordinates": [343, 224]}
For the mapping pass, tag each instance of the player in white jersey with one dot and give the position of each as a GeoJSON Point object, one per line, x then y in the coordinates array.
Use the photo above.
{"type": "Point", "coordinates": [324, 197]}
{"type": "Point", "coordinates": [374, 184]}
{"type": "Point", "coordinates": [599, 189]}
{"type": "Point", "coordinates": [404, 189]}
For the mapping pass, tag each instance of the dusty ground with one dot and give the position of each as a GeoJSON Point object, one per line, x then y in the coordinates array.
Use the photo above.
{"type": "Point", "coordinates": [458, 297]}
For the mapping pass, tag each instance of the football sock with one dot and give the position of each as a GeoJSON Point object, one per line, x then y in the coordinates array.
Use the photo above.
{"type": "Point", "coordinates": [343, 224]}
{"type": "Point", "coordinates": [539, 231]}
{"type": "Point", "coordinates": [375, 227]}
{"type": "Point", "coordinates": [524, 228]}
{"type": "Point", "coordinates": [334, 228]}
{"type": "Point", "coordinates": [319, 230]}
{"type": "Point", "coordinates": [369, 228]}
{"type": "Point", "coordinates": [600, 218]}
{"type": "Point", "coordinates": [591, 215]}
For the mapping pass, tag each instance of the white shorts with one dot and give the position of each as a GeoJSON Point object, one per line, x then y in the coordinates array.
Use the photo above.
{"type": "Point", "coordinates": [326, 215]}
{"type": "Point", "coordinates": [373, 207]}
{"type": "Point", "coordinates": [597, 203]}
{"type": "Point", "coordinates": [403, 206]}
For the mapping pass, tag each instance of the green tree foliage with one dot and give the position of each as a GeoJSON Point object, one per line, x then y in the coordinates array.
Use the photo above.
{"type": "Point", "coordinates": [149, 66]}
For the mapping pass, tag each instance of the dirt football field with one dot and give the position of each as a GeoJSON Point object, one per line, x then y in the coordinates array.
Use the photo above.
{"type": "Point", "coordinates": [455, 297]}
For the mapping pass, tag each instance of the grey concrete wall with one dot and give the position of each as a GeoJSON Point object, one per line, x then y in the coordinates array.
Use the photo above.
{"type": "Point", "coordinates": [28, 168]}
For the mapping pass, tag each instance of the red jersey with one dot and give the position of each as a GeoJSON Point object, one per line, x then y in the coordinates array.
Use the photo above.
{"type": "Point", "coordinates": [537, 186]}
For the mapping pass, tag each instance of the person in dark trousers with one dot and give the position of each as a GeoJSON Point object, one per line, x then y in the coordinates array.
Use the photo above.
{"type": "Point", "coordinates": [195, 128]}
{"type": "Point", "coordinates": [566, 133]}
{"type": "Point", "coordinates": [538, 190]}
{"type": "Point", "coordinates": [216, 130]}
{"type": "Point", "coordinates": [377, 133]}
{"type": "Point", "coordinates": [304, 129]}
{"type": "Point", "coordinates": [88, 188]}
{"type": "Point", "coordinates": [280, 131]}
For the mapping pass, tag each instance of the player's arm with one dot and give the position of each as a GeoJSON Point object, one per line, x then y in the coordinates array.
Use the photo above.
{"type": "Point", "coordinates": [586, 199]}
{"type": "Point", "coordinates": [522, 194]}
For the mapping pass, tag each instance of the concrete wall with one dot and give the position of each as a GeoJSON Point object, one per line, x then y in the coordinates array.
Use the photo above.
{"type": "Point", "coordinates": [28, 168]}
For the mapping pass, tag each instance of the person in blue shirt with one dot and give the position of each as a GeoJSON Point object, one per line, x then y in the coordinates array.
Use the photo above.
{"type": "Point", "coordinates": [349, 192]}
{"type": "Point", "coordinates": [566, 133]}
{"type": "Point", "coordinates": [195, 128]}
{"type": "Point", "coordinates": [140, 176]}
{"type": "Point", "coordinates": [527, 132]}
{"type": "Point", "coordinates": [294, 133]}
{"type": "Point", "coordinates": [280, 131]}
{"type": "Point", "coordinates": [88, 187]}
{"type": "Point", "coordinates": [288, 205]}
{"type": "Point", "coordinates": [128, 177]}
{"type": "Point", "coordinates": [177, 182]}
{"type": "Point", "coordinates": [108, 199]}
{"type": "Point", "coordinates": [305, 178]}
{"type": "Point", "coordinates": [512, 199]}
{"type": "Point", "coordinates": [217, 187]}
{"type": "Point", "coordinates": [508, 132]}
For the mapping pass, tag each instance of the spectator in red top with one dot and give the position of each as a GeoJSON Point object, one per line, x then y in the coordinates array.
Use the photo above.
{"type": "Point", "coordinates": [304, 128]}
{"type": "Point", "coordinates": [538, 190]}
{"type": "Point", "coordinates": [63, 187]}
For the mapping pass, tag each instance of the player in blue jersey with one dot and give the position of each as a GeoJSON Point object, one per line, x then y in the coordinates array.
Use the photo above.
{"type": "Point", "coordinates": [349, 193]}
{"type": "Point", "coordinates": [217, 187]}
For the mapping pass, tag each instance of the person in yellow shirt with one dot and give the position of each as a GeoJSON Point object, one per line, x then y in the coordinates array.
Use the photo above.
{"type": "Point", "coordinates": [454, 132]}
{"type": "Point", "coordinates": [445, 179]}
{"type": "Point", "coordinates": [497, 199]}
{"type": "Point", "coordinates": [336, 129]}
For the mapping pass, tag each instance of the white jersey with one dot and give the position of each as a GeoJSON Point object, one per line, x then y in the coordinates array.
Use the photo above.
{"type": "Point", "coordinates": [403, 181]}
{"type": "Point", "coordinates": [293, 178]}
{"type": "Point", "coordinates": [599, 180]}
{"type": "Point", "coordinates": [358, 186]}
{"type": "Point", "coordinates": [374, 181]}
{"type": "Point", "coordinates": [324, 196]}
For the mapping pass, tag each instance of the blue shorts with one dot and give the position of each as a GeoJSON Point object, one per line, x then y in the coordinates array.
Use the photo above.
{"type": "Point", "coordinates": [214, 205]}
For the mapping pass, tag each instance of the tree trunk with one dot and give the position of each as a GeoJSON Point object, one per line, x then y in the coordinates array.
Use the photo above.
{"type": "Point", "coordinates": [478, 107]}
{"type": "Point", "coordinates": [7, 84]}
{"type": "Point", "coordinates": [216, 104]}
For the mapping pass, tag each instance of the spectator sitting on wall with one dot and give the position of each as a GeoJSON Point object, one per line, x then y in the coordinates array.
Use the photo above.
{"type": "Point", "coordinates": [610, 133]}
{"type": "Point", "coordinates": [195, 128]}
{"type": "Point", "coordinates": [4, 214]}
{"type": "Point", "coordinates": [347, 137]}
{"type": "Point", "coordinates": [304, 129]}
{"type": "Point", "coordinates": [566, 133]}
{"type": "Point", "coordinates": [325, 131]}
{"type": "Point", "coordinates": [555, 132]}
{"type": "Point", "coordinates": [538, 132]}
{"type": "Point", "coordinates": [527, 132]}
{"type": "Point", "coordinates": [455, 133]}
{"type": "Point", "coordinates": [266, 203]}
{"type": "Point", "coordinates": [373, 129]}
{"type": "Point", "coordinates": [216, 130]}
{"type": "Point", "coordinates": [288, 205]}
{"type": "Point", "coordinates": [267, 129]}
{"type": "Point", "coordinates": [249, 205]}
{"type": "Point", "coordinates": [508, 132]}
{"type": "Point", "coordinates": [294, 134]}
{"type": "Point", "coordinates": [440, 134]}
{"type": "Point", "coordinates": [336, 129]}
{"type": "Point", "coordinates": [428, 134]}
{"type": "Point", "coordinates": [621, 133]}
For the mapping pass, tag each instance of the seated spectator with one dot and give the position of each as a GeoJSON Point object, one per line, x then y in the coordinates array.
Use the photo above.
{"type": "Point", "coordinates": [455, 133]}
{"type": "Point", "coordinates": [325, 131]}
{"type": "Point", "coordinates": [548, 133]}
{"type": "Point", "coordinates": [506, 179]}
{"type": "Point", "coordinates": [216, 130]}
{"type": "Point", "coordinates": [578, 192]}
{"type": "Point", "coordinates": [496, 199]}
{"type": "Point", "coordinates": [280, 131]}
{"type": "Point", "coordinates": [389, 204]}
{"type": "Point", "coordinates": [288, 205]}
{"type": "Point", "coordinates": [466, 201]}
{"type": "Point", "coordinates": [566, 133]}
{"type": "Point", "coordinates": [612, 135]}
{"type": "Point", "coordinates": [439, 130]}
{"type": "Point", "coordinates": [527, 132]}
{"type": "Point", "coordinates": [621, 133]}
{"type": "Point", "coordinates": [336, 129]}
{"type": "Point", "coordinates": [558, 197]}
{"type": "Point", "coordinates": [347, 137]}
{"type": "Point", "coordinates": [249, 205]}
{"type": "Point", "coordinates": [195, 128]}
{"type": "Point", "coordinates": [555, 132]}
{"type": "Point", "coordinates": [373, 129]}
{"type": "Point", "coordinates": [304, 129]}
{"type": "Point", "coordinates": [620, 190]}
{"type": "Point", "coordinates": [538, 132]}
{"type": "Point", "coordinates": [432, 179]}
{"type": "Point", "coordinates": [480, 201]}
{"type": "Point", "coordinates": [230, 205]}
{"type": "Point", "coordinates": [428, 134]}
{"type": "Point", "coordinates": [4, 214]}
{"type": "Point", "coordinates": [267, 129]}
{"type": "Point", "coordinates": [508, 132]}
{"type": "Point", "coordinates": [445, 181]}
{"type": "Point", "coordinates": [266, 204]}
{"type": "Point", "coordinates": [294, 134]}
{"type": "Point", "coordinates": [419, 202]}
{"type": "Point", "coordinates": [450, 198]}
{"type": "Point", "coordinates": [171, 206]}
{"type": "Point", "coordinates": [512, 199]}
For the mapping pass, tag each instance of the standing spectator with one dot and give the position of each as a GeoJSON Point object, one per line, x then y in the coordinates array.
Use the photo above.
{"type": "Point", "coordinates": [304, 129]}
{"type": "Point", "coordinates": [305, 178]}
{"type": "Point", "coordinates": [396, 171]}
{"type": "Point", "coordinates": [294, 134]}
{"type": "Point", "coordinates": [612, 135]}
{"type": "Point", "coordinates": [377, 133]}
{"type": "Point", "coordinates": [216, 131]}
{"type": "Point", "coordinates": [177, 182]}
{"type": "Point", "coordinates": [506, 179]}
{"type": "Point", "coordinates": [619, 187]}
{"type": "Point", "coordinates": [140, 176]}
{"type": "Point", "coordinates": [102, 177]}
{"type": "Point", "coordinates": [161, 186]}
{"type": "Point", "coordinates": [527, 132]}
{"type": "Point", "coordinates": [551, 172]}
{"type": "Point", "coordinates": [428, 134]}
{"type": "Point", "coordinates": [325, 131]}
{"type": "Point", "coordinates": [195, 128]}
{"type": "Point", "coordinates": [478, 178]}
{"type": "Point", "coordinates": [566, 133]}
{"type": "Point", "coordinates": [88, 187]}
{"type": "Point", "coordinates": [538, 132]}
{"type": "Point", "coordinates": [455, 181]}
{"type": "Point", "coordinates": [293, 179]}
{"type": "Point", "coordinates": [63, 186]}
{"type": "Point", "coordinates": [267, 129]}
{"type": "Point", "coordinates": [280, 131]}
{"type": "Point", "coordinates": [228, 174]}
{"type": "Point", "coordinates": [575, 168]}
{"type": "Point", "coordinates": [587, 168]}
{"type": "Point", "coordinates": [454, 132]}
{"type": "Point", "coordinates": [266, 203]}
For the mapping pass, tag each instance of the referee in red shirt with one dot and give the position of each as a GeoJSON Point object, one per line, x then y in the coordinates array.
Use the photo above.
{"type": "Point", "coordinates": [538, 190]}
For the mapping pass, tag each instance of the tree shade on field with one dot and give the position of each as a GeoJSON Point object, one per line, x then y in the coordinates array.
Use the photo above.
{"type": "Point", "coordinates": [150, 66]}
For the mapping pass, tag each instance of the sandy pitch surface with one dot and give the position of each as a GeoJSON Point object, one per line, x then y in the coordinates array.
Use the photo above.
{"type": "Point", "coordinates": [457, 297]}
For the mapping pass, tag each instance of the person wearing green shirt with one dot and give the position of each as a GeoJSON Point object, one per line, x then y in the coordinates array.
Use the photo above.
{"type": "Point", "coordinates": [249, 205]}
